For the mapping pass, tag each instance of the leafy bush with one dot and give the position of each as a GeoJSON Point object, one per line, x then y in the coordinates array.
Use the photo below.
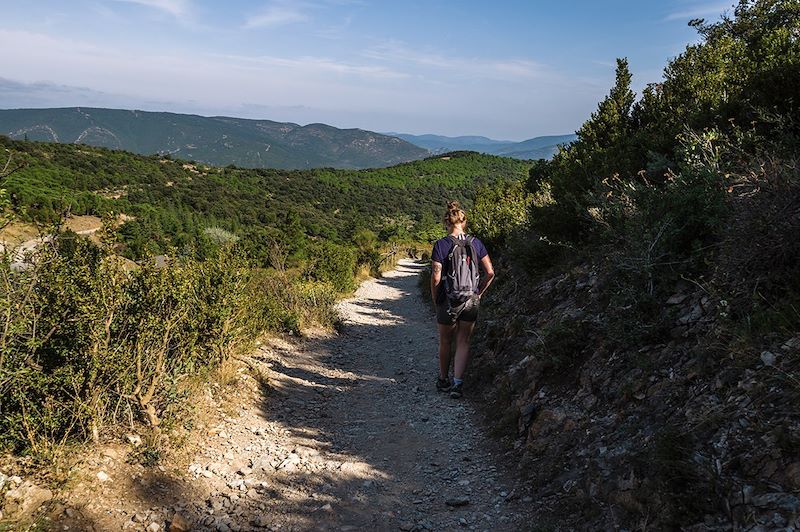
{"type": "Point", "coordinates": [86, 340]}
{"type": "Point", "coordinates": [334, 264]}
{"type": "Point", "coordinates": [499, 210]}
{"type": "Point", "coordinates": [759, 260]}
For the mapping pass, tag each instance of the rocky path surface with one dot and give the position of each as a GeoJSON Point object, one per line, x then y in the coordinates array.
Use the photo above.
{"type": "Point", "coordinates": [341, 432]}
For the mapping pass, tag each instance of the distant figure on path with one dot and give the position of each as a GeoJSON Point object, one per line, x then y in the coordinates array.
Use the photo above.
{"type": "Point", "coordinates": [456, 289]}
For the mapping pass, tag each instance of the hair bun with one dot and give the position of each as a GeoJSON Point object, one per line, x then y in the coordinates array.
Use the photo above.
{"type": "Point", "coordinates": [454, 214]}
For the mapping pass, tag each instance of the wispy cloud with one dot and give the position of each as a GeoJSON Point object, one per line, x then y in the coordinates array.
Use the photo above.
{"type": "Point", "coordinates": [16, 94]}
{"type": "Point", "coordinates": [606, 64]}
{"type": "Point", "coordinates": [504, 69]}
{"type": "Point", "coordinates": [284, 12]}
{"type": "Point", "coordinates": [707, 10]}
{"type": "Point", "coordinates": [335, 32]}
{"type": "Point", "coordinates": [310, 64]}
{"type": "Point", "coordinates": [176, 8]}
{"type": "Point", "coordinates": [278, 14]}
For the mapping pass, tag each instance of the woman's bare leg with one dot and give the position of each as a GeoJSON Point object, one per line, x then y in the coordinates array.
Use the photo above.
{"type": "Point", "coordinates": [445, 341]}
{"type": "Point", "coordinates": [463, 336]}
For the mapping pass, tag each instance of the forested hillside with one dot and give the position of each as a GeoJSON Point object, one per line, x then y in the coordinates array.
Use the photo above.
{"type": "Point", "coordinates": [536, 148]}
{"type": "Point", "coordinates": [644, 344]}
{"type": "Point", "coordinates": [173, 202]}
{"type": "Point", "coordinates": [217, 140]}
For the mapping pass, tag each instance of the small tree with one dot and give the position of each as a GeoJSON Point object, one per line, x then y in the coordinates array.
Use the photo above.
{"type": "Point", "coordinates": [603, 149]}
{"type": "Point", "coordinates": [603, 142]}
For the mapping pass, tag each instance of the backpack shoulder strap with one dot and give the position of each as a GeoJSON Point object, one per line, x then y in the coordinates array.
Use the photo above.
{"type": "Point", "coordinates": [472, 251]}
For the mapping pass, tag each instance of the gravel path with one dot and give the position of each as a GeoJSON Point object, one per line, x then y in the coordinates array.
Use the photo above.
{"type": "Point", "coordinates": [348, 433]}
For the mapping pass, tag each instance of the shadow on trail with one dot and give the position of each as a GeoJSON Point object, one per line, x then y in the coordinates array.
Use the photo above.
{"type": "Point", "coordinates": [362, 414]}
{"type": "Point", "coordinates": [345, 402]}
{"type": "Point", "coordinates": [315, 378]}
{"type": "Point", "coordinates": [357, 438]}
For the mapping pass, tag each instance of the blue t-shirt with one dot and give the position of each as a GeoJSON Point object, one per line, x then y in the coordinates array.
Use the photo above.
{"type": "Point", "coordinates": [441, 249]}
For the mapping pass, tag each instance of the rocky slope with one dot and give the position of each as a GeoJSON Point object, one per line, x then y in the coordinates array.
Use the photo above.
{"type": "Point", "coordinates": [642, 434]}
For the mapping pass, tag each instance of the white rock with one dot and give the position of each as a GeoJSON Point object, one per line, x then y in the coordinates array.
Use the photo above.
{"type": "Point", "coordinates": [768, 358]}
{"type": "Point", "coordinates": [102, 476]}
{"type": "Point", "coordinates": [111, 453]}
{"type": "Point", "coordinates": [676, 299]}
{"type": "Point", "coordinates": [23, 501]}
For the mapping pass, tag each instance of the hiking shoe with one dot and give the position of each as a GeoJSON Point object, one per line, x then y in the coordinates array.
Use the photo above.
{"type": "Point", "coordinates": [455, 391]}
{"type": "Point", "coordinates": [442, 385]}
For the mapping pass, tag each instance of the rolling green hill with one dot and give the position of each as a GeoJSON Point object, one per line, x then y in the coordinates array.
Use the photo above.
{"type": "Point", "coordinates": [172, 202]}
{"type": "Point", "coordinates": [211, 140]}
{"type": "Point", "coordinates": [535, 148]}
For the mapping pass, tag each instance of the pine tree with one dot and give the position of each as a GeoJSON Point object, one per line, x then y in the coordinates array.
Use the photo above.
{"type": "Point", "coordinates": [604, 148]}
{"type": "Point", "coordinates": [603, 145]}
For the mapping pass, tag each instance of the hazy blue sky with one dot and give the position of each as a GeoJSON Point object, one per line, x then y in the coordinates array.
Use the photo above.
{"type": "Point", "coordinates": [505, 69]}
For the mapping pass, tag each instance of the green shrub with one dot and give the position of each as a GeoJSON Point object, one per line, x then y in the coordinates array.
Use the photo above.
{"type": "Point", "coordinates": [332, 263]}
{"type": "Point", "coordinates": [85, 341]}
{"type": "Point", "coordinates": [499, 210]}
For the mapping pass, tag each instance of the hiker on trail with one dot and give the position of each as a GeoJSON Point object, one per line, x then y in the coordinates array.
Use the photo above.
{"type": "Point", "coordinates": [456, 289]}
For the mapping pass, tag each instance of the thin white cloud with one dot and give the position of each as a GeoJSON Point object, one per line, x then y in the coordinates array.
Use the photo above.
{"type": "Point", "coordinates": [336, 32]}
{"type": "Point", "coordinates": [279, 14]}
{"type": "Point", "coordinates": [519, 68]}
{"type": "Point", "coordinates": [607, 64]}
{"type": "Point", "coordinates": [285, 12]}
{"type": "Point", "coordinates": [313, 64]}
{"type": "Point", "coordinates": [503, 69]}
{"type": "Point", "coordinates": [176, 8]}
{"type": "Point", "coordinates": [707, 10]}
{"type": "Point", "coordinates": [178, 76]}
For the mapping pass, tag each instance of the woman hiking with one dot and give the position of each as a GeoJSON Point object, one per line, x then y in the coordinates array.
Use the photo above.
{"type": "Point", "coordinates": [456, 289]}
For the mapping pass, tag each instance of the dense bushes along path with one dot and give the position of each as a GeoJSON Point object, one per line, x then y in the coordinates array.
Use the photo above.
{"type": "Point", "coordinates": [341, 432]}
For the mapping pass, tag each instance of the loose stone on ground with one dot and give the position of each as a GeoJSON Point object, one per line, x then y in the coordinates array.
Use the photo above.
{"type": "Point", "coordinates": [339, 432]}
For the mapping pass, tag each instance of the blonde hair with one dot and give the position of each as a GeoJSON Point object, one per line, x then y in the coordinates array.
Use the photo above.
{"type": "Point", "coordinates": [455, 214]}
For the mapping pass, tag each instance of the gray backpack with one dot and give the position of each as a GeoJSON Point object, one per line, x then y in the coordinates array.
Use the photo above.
{"type": "Point", "coordinates": [461, 272]}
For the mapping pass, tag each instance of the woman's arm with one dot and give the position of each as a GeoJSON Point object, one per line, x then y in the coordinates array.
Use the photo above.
{"type": "Point", "coordinates": [488, 275]}
{"type": "Point", "coordinates": [436, 278]}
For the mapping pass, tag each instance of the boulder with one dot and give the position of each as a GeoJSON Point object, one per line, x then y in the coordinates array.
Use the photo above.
{"type": "Point", "coordinates": [178, 523]}
{"type": "Point", "coordinates": [22, 502]}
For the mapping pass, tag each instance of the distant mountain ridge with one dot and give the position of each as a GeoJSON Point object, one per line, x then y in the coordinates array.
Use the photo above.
{"type": "Point", "coordinates": [215, 140]}
{"type": "Point", "coordinates": [536, 148]}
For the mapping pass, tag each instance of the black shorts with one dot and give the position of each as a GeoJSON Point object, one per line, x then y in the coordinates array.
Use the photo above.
{"type": "Point", "coordinates": [469, 314]}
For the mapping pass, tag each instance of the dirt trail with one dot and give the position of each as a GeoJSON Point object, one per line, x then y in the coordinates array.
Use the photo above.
{"type": "Point", "coordinates": [347, 434]}
{"type": "Point", "coordinates": [23, 238]}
